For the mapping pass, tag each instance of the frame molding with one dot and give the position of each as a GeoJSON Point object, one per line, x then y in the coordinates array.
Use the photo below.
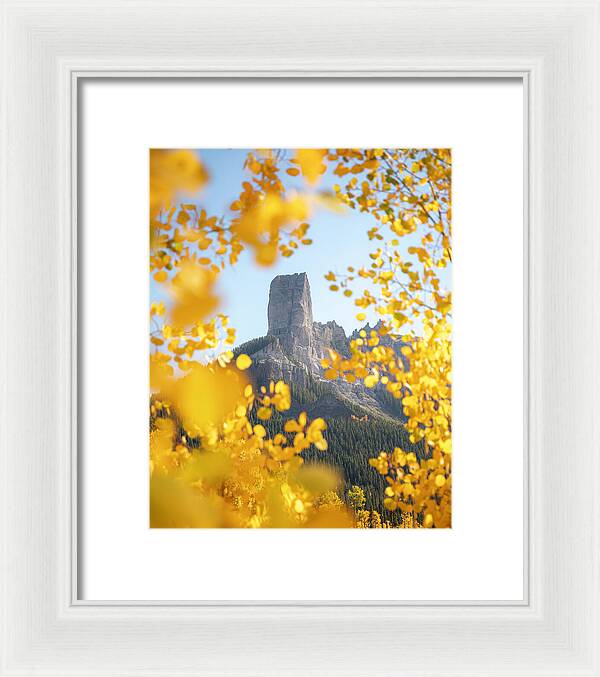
{"type": "Point", "coordinates": [553, 45]}
{"type": "Point", "coordinates": [77, 77]}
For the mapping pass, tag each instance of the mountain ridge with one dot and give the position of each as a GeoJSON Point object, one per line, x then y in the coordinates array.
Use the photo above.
{"type": "Point", "coordinates": [293, 348]}
{"type": "Point", "coordinates": [361, 421]}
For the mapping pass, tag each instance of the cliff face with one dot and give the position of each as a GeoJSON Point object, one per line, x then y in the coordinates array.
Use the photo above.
{"type": "Point", "coordinates": [294, 346]}
{"type": "Point", "coordinates": [290, 315]}
{"type": "Point", "coordinates": [290, 318]}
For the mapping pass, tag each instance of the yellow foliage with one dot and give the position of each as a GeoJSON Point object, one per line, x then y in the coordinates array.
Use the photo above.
{"type": "Point", "coordinates": [205, 396]}
{"type": "Point", "coordinates": [224, 471]}
{"type": "Point", "coordinates": [243, 362]}
{"type": "Point", "coordinates": [261, 223]}
{"type": "Point", "coordinates": [172, 172]}
{"type": "Point", "coordinates": [192, 290]}
{"type": "Point", "coordinates": [311, 163]}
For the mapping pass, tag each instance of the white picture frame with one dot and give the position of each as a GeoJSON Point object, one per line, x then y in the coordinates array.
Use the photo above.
{"type": "Point", "coordinates": [48, 49]}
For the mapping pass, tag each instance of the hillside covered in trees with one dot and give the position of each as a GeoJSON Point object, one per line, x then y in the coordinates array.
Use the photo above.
{"type": "Point", "coordinates": [361, 421]}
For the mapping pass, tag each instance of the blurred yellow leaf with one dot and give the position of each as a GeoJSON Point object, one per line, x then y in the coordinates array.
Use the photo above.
{"type": "Point", "coordinates": [192, 291]}
{"type": "Point", "coordinates": [311, 163]}
{"type": "Point", "coordinates": [172, 172]}
{"type": "Point", "coordinates": [371, 380]}
{"type": "Point", "coordinates": [243, 362]}
{"type": "Point", "coordinates": [205, 395]}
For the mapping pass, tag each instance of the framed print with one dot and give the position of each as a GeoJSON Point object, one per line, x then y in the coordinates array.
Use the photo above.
{"type": "Point", "coordinates": [300, 369]}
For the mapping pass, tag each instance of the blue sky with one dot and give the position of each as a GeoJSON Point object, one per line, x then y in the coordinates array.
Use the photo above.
{"type": "Point", "coordinates": [339, 240]}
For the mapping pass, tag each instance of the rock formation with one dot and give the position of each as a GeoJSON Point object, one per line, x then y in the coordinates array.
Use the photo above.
{"type": "Point", "coordinates": [290, 315]}
{"type": "Point", "coordinates": [295, 344]}
{"type": "Point", "coordinates": [361, 421]}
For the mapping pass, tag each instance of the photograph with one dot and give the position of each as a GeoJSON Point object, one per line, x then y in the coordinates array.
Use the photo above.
{"type": "Point", "coordinates": [300, 338]}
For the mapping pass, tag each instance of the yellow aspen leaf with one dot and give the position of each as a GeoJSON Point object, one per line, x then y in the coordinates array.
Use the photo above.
{"type": "Point", "coordinates": [264, 413]}
{"type": "Point", "coordinates": [440, 480]}
{"type": "Point", "coordinates": [172, 172]}
{"type": "Point", "coordinates": [160, 276]}
{"type": "Point", "coordinates": [192, 289]}
{"type": "Point", "coordinates": [266, 254]}
{"type": "Point", "coordinates": [311, 163]}
{"type": "Point", "coordinates": [183, 217]}
{"type": "Point", "coordinates": [371, 380]}
{"type": "Point", "coordinates": [243, 362]}
{"type": "Point", "coordinates": [318, 424]}
{"type": "Point", "coordinates": [160, 372]}
{"type": "Point", "coordinates": [446, 446]}
{"type": "Point", "coordinates": [259, 431]}
{"type": "Point", "coordinates": [204, 396]}
{"type": "Point", "coordinates": [292, 426]}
